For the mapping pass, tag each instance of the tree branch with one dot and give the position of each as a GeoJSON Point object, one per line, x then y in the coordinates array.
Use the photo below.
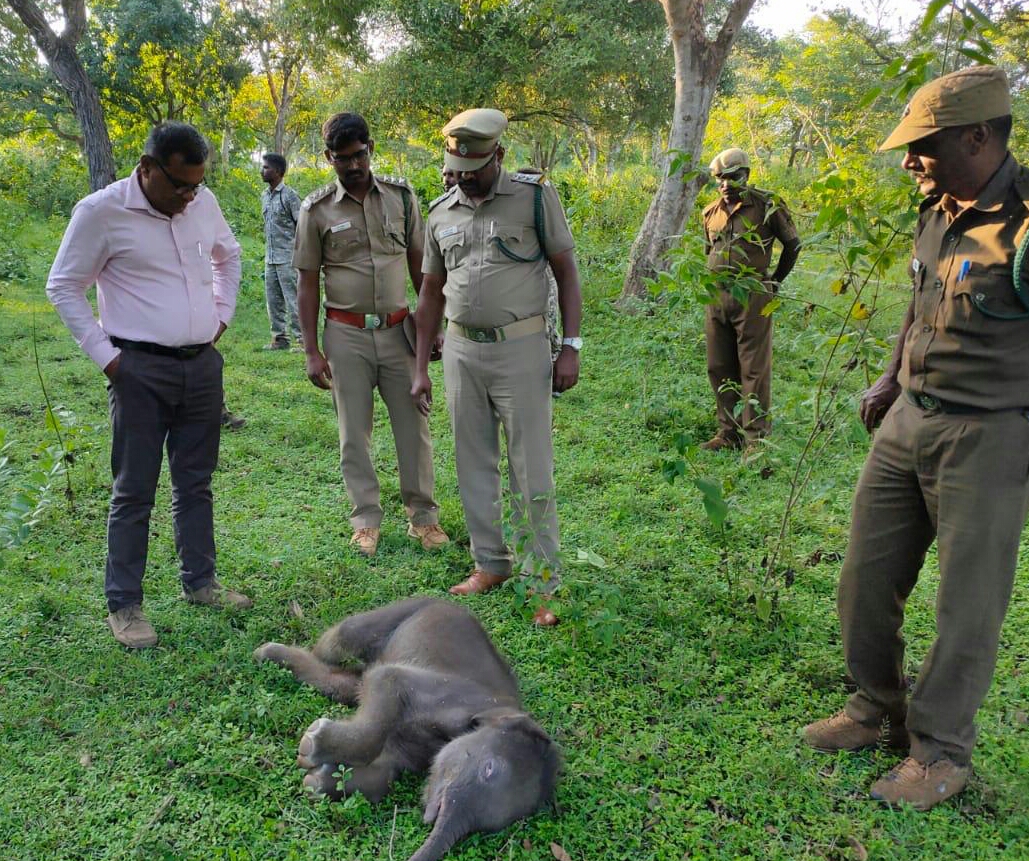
{"type": "Point", "coordinates": [74, 21]}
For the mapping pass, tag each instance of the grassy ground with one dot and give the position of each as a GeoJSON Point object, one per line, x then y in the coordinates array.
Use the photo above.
{"type": "Point", "coordinates": [680, 738]}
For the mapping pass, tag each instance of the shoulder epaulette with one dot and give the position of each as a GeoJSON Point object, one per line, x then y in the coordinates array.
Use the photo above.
{"type": "Point", "coordinates": [394, 180]}
{"type": "Point", "coordinates": [318, 194]}
{"type": "Point", "coordinates": [441, 198]}
{"type": "Point", "coordinates": [531, 178]}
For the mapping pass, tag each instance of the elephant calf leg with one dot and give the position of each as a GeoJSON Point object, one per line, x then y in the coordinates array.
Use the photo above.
{"type": "Point", "coordinates": [372, 781]}
{"type": "Point", "coordinates": [337, 684]}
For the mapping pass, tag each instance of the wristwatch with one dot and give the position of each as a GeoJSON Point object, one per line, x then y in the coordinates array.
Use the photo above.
{"type": "Point", "coordinates": [574, 343]}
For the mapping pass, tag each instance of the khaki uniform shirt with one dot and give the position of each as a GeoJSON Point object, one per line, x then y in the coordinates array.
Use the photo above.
{"type": "Point", "coordinates": [281, 209]}
{"type": "Point", "coordinates": [740, 239]}
{"type": "Point", "coordinates": [361, 246]}
{"type": "Point", "coordinates": [484, 287]}
{"type": "Point", "coordinates": [962, 273]}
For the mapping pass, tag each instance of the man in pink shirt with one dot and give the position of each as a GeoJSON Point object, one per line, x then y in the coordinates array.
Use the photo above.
{"type": "Point", "coordinates": [166, 268]}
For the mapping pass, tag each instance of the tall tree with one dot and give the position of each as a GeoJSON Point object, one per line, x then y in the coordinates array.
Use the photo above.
{"type": "Point", "coordinates": [64, 61]}
{"type": "Point", "coordinates": [698, 64]}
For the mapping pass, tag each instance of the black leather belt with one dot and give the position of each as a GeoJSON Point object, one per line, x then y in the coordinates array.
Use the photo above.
{"type": "Point", "coordinates": [189, 351]}
{"type": "Point", "coordinates": [933, 404]}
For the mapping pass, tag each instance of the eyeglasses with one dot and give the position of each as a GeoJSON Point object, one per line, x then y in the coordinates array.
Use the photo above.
{"type": "Point", "coordinates": [181, 188]}
{"type": "Point", "coordinates": [354, 158]}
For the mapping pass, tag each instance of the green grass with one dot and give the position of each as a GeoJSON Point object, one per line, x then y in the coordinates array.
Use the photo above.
{"type": "Point", "coordinates": [680, 739]}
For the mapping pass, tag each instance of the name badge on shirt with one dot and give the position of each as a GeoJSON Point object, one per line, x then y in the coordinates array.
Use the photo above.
{"type": "Point", "coordinates": [448, 231]}
{"type": "Point", "coordinates": [343, 225]}
{"type": "Point", "coordinates": [916, 265]}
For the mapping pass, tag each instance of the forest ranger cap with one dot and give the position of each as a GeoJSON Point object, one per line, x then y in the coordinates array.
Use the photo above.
{"type": "Point", "coordinates": [472, 138]}
{"type": "Point", "coordinates": [729, 161]}
{"type": "Point", "coordinates": [967, 96]}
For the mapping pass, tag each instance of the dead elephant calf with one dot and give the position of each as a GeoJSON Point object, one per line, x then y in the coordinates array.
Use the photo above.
{"type": "Point", "coordinates": [433, 691]}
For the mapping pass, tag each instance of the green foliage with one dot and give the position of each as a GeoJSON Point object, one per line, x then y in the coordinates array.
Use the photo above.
{"type": "Point", "coordinates": [679, 737]}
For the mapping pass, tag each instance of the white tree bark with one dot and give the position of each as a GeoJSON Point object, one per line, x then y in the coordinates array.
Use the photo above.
{"type": "Point", "coordinates": [67, 67]}
{"type": "Point", "coordinates": [698, 65]}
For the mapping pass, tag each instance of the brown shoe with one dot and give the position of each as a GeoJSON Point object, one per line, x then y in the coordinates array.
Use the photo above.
{"type": "Point", "coordinates": [544, 616]}
{"type": "Point", "coordinates": [477, 583]}
{"type": "Point", "coordinates": [216, 595]}
{"type": "Point", "coordinates": [131, 628]}
{"type": "Point", "coordinates": [842, 732]}
{"type": "Point", "coordinates": [722, 442]}
{"type": "Point", "coordinates": [431, 535]}
{"type": "Point", "coordinates": [276, 344]}
{"type": "Point", "coordinates": [921, 786]}
{"type": "Point", "coordinates": [366, 539]}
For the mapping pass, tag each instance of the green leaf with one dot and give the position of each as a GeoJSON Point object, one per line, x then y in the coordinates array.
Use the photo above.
{"type": "Point", "coordinates": [932, 12]}
{"type": "Point", "coordinates": [978, 56]}
{"type": "Point", "coordinates": [714, 505]}
{"type": "Point", "coordinates": [869, 97]}
{"type": "Point", "coordinates": [770, 308]}
{"type": "Point", "coordinates": [763, 608]}
{"type": "Point", "coordinates": [893, 68]}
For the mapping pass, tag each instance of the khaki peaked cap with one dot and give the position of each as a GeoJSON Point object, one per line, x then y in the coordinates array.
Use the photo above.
{"type": "Point", "coordinates": [472, 138]}
{"type": "Point", "coordinates": [729, 160]}
{"type": "Point", "coordinates": [967, 96]}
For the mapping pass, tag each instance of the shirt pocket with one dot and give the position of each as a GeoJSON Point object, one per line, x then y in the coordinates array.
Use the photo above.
{"type": "Point", "coordinates": [396, 242]}
{"type": "Point", "coordinates": [199, 266]}
{"type": "Point", "coordinates": [346, 245]}
{"type": "Point", "coordinates": [453, 249]}
{"type": "Point", "coordinates": [983, 300]}
{"type": "Point", "coordinates": [517, 239]}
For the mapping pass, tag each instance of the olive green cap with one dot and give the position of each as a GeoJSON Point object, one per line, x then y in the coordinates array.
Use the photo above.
{"type": "Point", "coordinates": [729, 160]}
{"type": "Point", "coordinates": [472, 138]}
{"type": "Point", "coordinates": [967, 96]}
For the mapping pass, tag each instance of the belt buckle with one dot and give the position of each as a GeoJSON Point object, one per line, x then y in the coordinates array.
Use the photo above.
{"type": "Point", "coordinates": [372, 321]}
{"type": "Point", "coordinates": [928, 402]}
{"type": "Point", "coordinates": [483, 336]}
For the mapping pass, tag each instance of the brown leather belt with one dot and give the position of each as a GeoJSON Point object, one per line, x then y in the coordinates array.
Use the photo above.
{"type": "Point", "coordinates": [366, 321]}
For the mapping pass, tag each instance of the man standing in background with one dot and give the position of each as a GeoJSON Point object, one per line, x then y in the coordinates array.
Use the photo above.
{"type": "Point", "coordinates": [740, 228]}
{"type": "Point", "coordinates": [280, 206]}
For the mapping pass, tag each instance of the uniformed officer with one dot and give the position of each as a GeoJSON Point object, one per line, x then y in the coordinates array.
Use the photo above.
{"type": "Point", "coordinates": [364, 231]}
{"type": "Point", "coordinates": [280, 208]}
{"type": "Point", "coordinates": [951, 459]}
{"type": "Point", "coordinates": [488, 242]}
{"type": "Point", "coordinates": [740, 227]}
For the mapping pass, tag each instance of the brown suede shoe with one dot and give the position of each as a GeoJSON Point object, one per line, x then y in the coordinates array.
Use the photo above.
{"type": "Point", "coordinates": [921, 786]}
{"type": "Point", "coordinates": [720, 443]}
{"type": "Point", "coordinates": [478, 583]}
{"type": "Point", "coordinates": [431, 536]}
{"type": "Point", "coordinates": [366, 539]}
{"type": "Point", "coordinates": [842, 732]}
{"type": "Point", "coordinates": [216, 595]}
{"type": "Point", "coordinates": [131, 628]}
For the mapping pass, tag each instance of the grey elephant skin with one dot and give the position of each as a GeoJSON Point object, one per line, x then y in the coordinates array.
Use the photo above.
{"type": "Point", "coordinates": [434, 694]}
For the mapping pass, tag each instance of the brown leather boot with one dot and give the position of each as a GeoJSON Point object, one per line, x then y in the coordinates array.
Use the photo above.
{"type": "Point", "coordinates": [478, 583]}
{"type": "Point", "coordinates": [544, 617]}
{"type": "Point", "coordinates": [920, 785]}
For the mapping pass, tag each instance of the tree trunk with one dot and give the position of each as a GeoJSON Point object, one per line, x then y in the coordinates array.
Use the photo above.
{"type": "Point", "coordinates": [698, 65]}
{"type": "Point", "coordinates": [67, 67]}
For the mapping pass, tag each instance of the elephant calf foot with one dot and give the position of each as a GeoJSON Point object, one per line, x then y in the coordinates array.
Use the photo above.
{"type": "Point", "coordinates": [322, 781]}
{"type": "Point", "coordinates": [372, 781]}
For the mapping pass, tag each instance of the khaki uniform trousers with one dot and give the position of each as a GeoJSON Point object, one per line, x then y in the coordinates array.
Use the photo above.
{"type": "Point", "coordinates": [361, 360]}
{"type": "Point", "coordinates": [962, 479]}
{"type": "Point", "coordinates": [505, 383]}
{"type": "Point", "coordinates": [739, 350]}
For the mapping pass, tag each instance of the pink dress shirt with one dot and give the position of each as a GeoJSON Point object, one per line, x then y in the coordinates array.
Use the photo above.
{"type": "Point", "coordinates": [164, 279]}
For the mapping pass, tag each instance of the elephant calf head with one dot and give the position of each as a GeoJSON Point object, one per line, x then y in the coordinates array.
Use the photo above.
{"type": "Point", "coordinates": [501, 771]}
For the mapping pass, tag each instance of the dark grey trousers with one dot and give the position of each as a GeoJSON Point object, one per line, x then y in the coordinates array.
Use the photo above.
{"type": "Point", "coordinates": [157, 401]}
